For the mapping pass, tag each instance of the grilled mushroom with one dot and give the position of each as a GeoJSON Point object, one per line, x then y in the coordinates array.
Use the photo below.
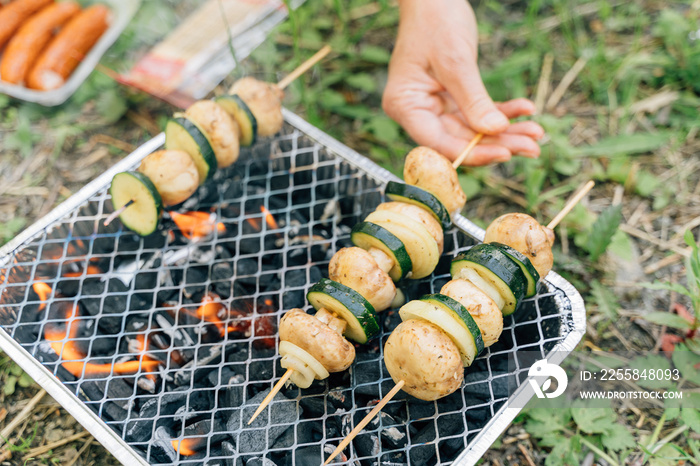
{"type": "Point", "coordinates": [523, 233]}
{"type": "Point", "coordinates": [483, 309]}
{"type": "Point", "coordinates": [425, 358]}
{"type": "Point", "coordinates": [431, 171]}
{"type": "Point", "coordinates": [264, 100]}
{"type": "Point", "coordinates": [356, 268]}
{"type": "Point", "coordinates": [173, 173]}
{"type": "Point", "coordinates": [221, 130]}
{"type": "Point", "coordinates": [318, 339]}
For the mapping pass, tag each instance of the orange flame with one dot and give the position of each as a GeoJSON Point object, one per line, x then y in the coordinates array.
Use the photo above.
{"type": "Point", "coordinates": [91, 270]}
{"type": "Point", "coordinates": [197, 225]}
{"type": "Point", "coordinates": [254, 223]}
{"type": "Point", "coordinates": [68, 350]}
{"type": "Point", "coordinates": [269, 219]}
{"type": "Point", "coordinates": [213, 311]}
{"type": "Point", "coordinates": [189, 446]}
{"type": "Point", "coordinates": [43, 290]}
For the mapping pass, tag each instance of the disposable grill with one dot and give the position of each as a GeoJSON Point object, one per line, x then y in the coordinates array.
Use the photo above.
{"type": "Point", "coordinates": [163, 346]}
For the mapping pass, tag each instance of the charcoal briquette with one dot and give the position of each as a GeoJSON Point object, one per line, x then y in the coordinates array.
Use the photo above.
{"type": "Point", "coordinates": [282, 414]}
{"type": "Point", "coordinates": [228, 451]}
{"type": "Point", "coordinates": [257, 461]}
{"type": "Point", "coordinates": [293, 299]}
{"type": "Point", "coordinates": [295, 278]}
{"type": "Point", "coordinates": [307, 455]}
{"type": "Point", "coordinates": [314, 406]}
{"type": "Point", "coordinates": [367, 444]}
{"type": "Point", "coordinates": [162, 450]}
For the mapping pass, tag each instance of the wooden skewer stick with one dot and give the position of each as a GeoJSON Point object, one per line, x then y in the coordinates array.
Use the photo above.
{"type": "Point", "coordinates": [271, 395]}
{"type": "Point", "coordinates": [304, 67]}
{"type": "Point", "coordinates": [365, 421]}
{"type": "Point", "coordinates": [117, 213]}
{"type": "Point", "coordinates": [571, 204]}
{"type": "Point", "coordinates": [467, 150]}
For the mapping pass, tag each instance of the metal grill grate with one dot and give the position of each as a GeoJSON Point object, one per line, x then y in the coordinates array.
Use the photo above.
{"type": "Point", "coordinates": [213, 374]}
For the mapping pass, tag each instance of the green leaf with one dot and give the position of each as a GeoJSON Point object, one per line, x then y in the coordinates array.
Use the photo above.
{"type": "Point", "coordinates": [374, 54]}
{"type": "Point", "coordinates": [621, 246]}
{"type": "Point", "coordinates": [4, 100]}
{"type": "Point", "coordinates": [605, 299]}
{"type": "Point", "coordinates": [23, 137]}
{"type": "Point", "coordinates": [15, 370]}
{"type": "Point", "coordinates": [567, 452]}
{"type": "Point", "coordinates": [593, 420]}
{"type": "Point", "coordinates": [617, 438]}
{"type": "Point", "coordinates": [626, 144]}
{"type": "Point", "coordinates": [667, 319]}
{"type": "Point", "coordinates": [25, 380]}
{"type": "Point", "coordinates": [646, 183]}
{"type": "Point", "coordinates": [384, 128]}
{"type": "Point", "coordinates": [652, 362]}
{"type": "Point", "coordinates": [9, 229]}
{"type": "Point", "coordinates": [362, 81]}
{"type": "Point", "coordinates": [691, 417]}
{"type": "Point", "coordinates": [470, 185]}
{"type": "Point", "coordinates": [672, 407]}
{"type": "Point", "coordinates": [10, 384]}
{"type": "Point", "coordinates": [111, 106]}
{"type": "Point", "coordinates": [331, 100]}
{"type": "Point", "coordinates": [600, 235]}
{"type": "Point", "coordinates": [685, 361]}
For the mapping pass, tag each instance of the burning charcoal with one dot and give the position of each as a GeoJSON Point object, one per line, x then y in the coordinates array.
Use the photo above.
{"type": "Point", "coordinates": [228, 450]}
{"type": "Point", "coordinates": [162, 450]}
{"type": "Point", "coordinates": [104, 346]}
{"type": "Point", "coordinates": [118, 392]}
{"type": "Point", "coordinates": [246, 269]}
{"type": "Point", "coordinates": [367, 444]}
{"type": "Point", "coordinates": [397, 458]}
{"type": "Point", "coordinates": [221, 274]}
{"type": "Point", "coordinates": [27, 334]}
{"type": "Point", "coordinates": [366, 376]}
{"type": "Point", "coordinates": [204, 356]}
{"type": "Point", "coordinates": [451, 447]}
{"type": "Point", "coordinates": [232, 396]}
{"type": "Point", "coordinates": [282, 414]}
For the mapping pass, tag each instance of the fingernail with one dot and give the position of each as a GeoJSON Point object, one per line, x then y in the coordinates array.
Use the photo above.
{"type": "Point", "coordinates": [495, 121]}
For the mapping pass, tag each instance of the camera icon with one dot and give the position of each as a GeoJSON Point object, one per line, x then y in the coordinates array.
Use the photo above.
{"type": "Point", "coordinates": [543, 372]}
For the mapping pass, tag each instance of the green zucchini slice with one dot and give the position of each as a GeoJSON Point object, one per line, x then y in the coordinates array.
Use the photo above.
{"type": "Point", "coordinates": [525, 265]}
{"type": "Point", "coordinates": [452, 318]}
{"type": "Point", "coordinates": [402, 192]}
{"type": "Point", "coordinates": [183, 134]}
{"type": "Point", "coordinates": [143, 215]}
{"type": "Point", "coordinates": [494, 266]}
{"type": "Point", "coordinates": [349, 305]}
{"type": "Point", "coordinates": [240, 112]}
{"type": "Point", "coordinates": [420, 244]}
{"type": "Point", "coordinates": [368, 235]}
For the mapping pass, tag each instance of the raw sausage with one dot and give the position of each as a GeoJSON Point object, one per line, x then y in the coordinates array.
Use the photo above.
{"type": "Point", "coordinates": [68, 48]}
{"type": "Point", "coordinates": [16, 13]}
{"type": "Point", "coordinates": [32, 37]}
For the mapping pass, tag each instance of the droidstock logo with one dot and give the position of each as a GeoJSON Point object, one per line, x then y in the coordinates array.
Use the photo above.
{"type": "Point", "coordinates": [541, 369]}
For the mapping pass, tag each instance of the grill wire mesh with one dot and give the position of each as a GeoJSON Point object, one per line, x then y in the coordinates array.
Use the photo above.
{"type": "Point", "coordinates": [147, 292]}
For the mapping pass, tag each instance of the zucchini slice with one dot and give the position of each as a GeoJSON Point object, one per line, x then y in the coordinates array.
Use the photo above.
{"type": "Point", "coordinates": [368, 235]}
{"type": "Point", "coordinates": [452, 318]}
{"type": "Point", "coordinates": [349, 305]}
{"type": "Point", "coordinates": [183, 134]}
{"type": "Point", "coordinates": [497, 268]}
{"type": "Point", "coordinates": [525, 265]}
{"type": "Point", "coordinates": [143, 215]}
{"type": "Point", "coordinates": [240, 112]}
{"type": "Point", "coordinates": [409, 194]}
{"type": "Point", "coordinates": [484, 285]}
{"type": "Point", "coordinates": [420, 244]}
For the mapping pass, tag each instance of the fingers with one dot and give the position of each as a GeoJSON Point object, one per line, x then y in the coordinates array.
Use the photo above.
{"type": "Point", "coordinates": [516, 144]}
{"type": "Point", "coordinates": [517, 107]}
{"type": "Point", "coordinates": [459, 74]}
{"type": "Point", "coordinates": [527, 128]}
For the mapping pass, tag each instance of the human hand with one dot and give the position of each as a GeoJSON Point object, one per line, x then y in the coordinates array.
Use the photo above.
{"type": "Point", "coordinates": [435, 90]}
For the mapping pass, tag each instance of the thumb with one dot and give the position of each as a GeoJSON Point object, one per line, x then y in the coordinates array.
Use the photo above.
{"type": "Point", "coordinates": [460, 77]}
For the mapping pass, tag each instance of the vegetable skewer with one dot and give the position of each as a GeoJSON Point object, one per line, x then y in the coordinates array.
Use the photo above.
{"type": "Point", "coordinates": [406, 329]}
{"type": "Point", "coordinates": [467, 150]}
{"type": "Point", "coordinates": [207, 136]}
{"type": "Point", "coordinates": [403, 238]}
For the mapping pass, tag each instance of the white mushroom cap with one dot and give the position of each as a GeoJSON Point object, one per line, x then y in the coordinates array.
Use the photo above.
{"type": "Point", "coordinates": [433, 172]}
{"type": "Point", "coordinates": [356, 268]}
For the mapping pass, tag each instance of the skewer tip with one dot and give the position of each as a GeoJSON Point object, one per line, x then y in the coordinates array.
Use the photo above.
{"type": "Point", "coordinates": [117, 213]}
{"type": "Point", "coordinates": [575, 199]}
{"type": "Point", "coordinates": [366, 420]}
{"type": "Point", "coordinates": [278, 386]}
{"type": "Point", "coordinates": [467, 150]}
